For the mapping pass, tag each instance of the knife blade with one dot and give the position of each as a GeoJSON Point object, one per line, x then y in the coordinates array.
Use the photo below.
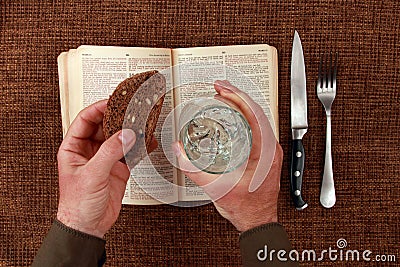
{"type": "Point", "coordinates": [299, 122]}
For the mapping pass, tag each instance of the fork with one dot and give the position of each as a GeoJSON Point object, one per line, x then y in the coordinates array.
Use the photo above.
{"type": "Point", "coordinates": [326, 92]}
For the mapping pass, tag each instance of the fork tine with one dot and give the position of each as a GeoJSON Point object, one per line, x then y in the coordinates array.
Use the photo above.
{"type": "Point", "coordinates": [334, 72]}
{"type": "Point", "coordinates": [329, 70]}
{"type": "Point", "coordinates": [319, 82]}
{"type": "Point", "coordinates": [325, 72]}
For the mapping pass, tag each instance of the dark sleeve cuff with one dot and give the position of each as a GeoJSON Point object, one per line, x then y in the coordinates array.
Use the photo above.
{"type": "Point", "coordinates": [257, 245]}
{"type": "Point", "coordinates": [64, 246]}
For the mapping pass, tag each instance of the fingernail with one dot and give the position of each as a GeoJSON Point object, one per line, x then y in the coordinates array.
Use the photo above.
{"type": "Point", "coordinates": [176, 149]}
{"type": "Point", "coordinates": [221, 83]}
{"type": "Point", "coordinates": [224, 83]}
{"type": "Point", "coordinates": [225, 86]}
{"type": "Point", "coordinates": [127, 136]}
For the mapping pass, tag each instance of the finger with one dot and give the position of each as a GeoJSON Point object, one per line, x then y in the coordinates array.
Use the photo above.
{"type": "Point", "coordinates": [197, 176]}
{"type": "Point", "coordinates": [239, 99]}
{"type": "Point", "coordinates": [243, 100]}
{"type": "Point", "coordinates": [264, 141]}
{"type": "Point", "coordinates": [228, 102]}
{"type": "Point", "coordinates": [121, 171]}
{"type": "Point", "coordinates": [250, 109]}
{"type": "Point", "coordinates": [215, 185]}
{"type": "Point", "coordinates": [222, 88]}
{"type": "Point", "coordinates": [119, 177]}
{"type": "Point", "coordinates": [98, 136]}
{"type": "Point", "coordinates": [85, 129]}
{"type": "Point", "coordinates": [112, 150]}
{"type": "Point", "coordinates": [87, 121]}
{"type": "Point", "coordinates": [255, 116]}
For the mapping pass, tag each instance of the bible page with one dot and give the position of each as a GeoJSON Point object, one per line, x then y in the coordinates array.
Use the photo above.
{"type": "Point", "coordinates": [257, 63]}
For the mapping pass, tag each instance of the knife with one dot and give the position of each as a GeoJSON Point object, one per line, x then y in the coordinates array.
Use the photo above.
{"type": "Point", "coordinates": [299, 123]}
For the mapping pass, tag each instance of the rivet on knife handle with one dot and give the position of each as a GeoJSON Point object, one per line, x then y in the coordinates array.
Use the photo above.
{"type": "Point", "coordinates": [296, 173]}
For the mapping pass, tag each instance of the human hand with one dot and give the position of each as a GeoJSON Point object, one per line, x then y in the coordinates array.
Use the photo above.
{"type": "Point", "coordinates": [92, 180]}
{"type": "Point", "coordinates": [248, 196]}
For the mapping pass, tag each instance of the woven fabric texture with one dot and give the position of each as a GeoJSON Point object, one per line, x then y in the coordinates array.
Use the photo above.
{"type": "Point", "coordinates": [365, 122]}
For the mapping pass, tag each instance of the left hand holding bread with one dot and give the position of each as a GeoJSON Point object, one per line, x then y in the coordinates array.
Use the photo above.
{"type": "Point", "coordinates": [92, 179]}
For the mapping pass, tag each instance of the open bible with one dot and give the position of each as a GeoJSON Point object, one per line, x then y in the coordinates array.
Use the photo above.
{"type": "Point", "coordinates": [91, 73]}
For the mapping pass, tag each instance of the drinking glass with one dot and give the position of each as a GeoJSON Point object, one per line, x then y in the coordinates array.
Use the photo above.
{"type": "Point", "coordinates": [216, 137]}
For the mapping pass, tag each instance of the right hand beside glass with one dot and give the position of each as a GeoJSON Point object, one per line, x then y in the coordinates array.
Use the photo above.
{"type": "Point", "coordinates": [234, 194]}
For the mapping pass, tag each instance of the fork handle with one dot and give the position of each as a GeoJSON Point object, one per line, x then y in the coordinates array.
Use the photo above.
{"type": "Point", "coordinates": [328, 195]}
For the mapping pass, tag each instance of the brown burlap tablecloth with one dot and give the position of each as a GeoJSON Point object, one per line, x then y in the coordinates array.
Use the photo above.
{"type": "Point", "coordinates": [365, 122]}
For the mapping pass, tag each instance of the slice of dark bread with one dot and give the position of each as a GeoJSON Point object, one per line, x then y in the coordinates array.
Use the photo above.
{"type": "Point", "coordinates": [136, 104]}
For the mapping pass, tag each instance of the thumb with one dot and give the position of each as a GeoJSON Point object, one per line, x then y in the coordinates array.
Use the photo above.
{"type": "Point", "coordinates": [113, 149]}
{"type": "Point", "coordinates": [185, 165]}
{"type": "Point", "coordinates": [215, 185]}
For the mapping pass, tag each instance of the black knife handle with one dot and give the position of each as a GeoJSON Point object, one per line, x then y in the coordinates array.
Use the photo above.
{"type": "Point", "coordinates": [296, 174]}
